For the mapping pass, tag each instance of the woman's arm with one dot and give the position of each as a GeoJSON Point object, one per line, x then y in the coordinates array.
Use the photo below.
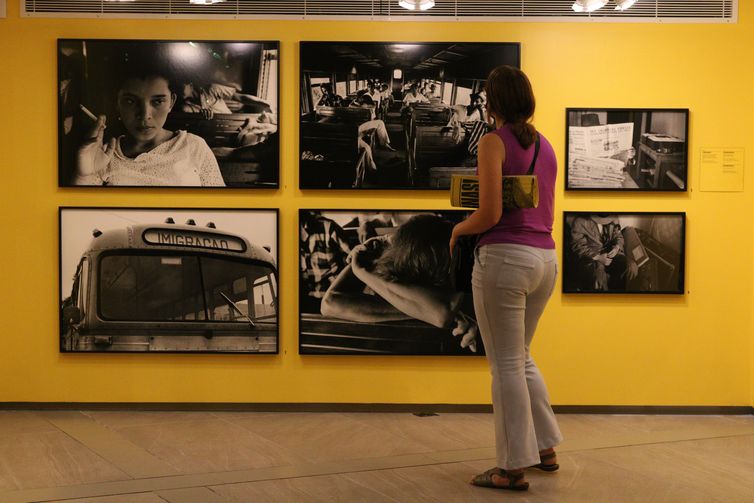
{"type": "Point", "coordinates": [435, 306]}
{"type": "Point", "coordinates": [491, 157]}
{"type": "Point", "coordinates": [345, 300]}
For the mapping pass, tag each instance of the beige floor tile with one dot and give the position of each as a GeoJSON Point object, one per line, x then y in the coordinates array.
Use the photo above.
{"type": "Point", "coordinates": [331, 436]}
{"type": "Point", "coordinates": [6, 484]}
{"type": "Point", "coordinates": [323, 489]}
{"type": "Point", "coordinates": [110, 445]}
{"type": "Point", "coordinates": [191, 495]}
{"type": "Point", "coordinates": [14, 422]}
{"type": "Point", "coordinates": [123, 419]}
{"type": "Point", "coordinates": [583, 479]}
{"type": "Point", "coordinates": [716, 468]}
{"type": "Point", "coordinates": [206, 446]}
{"type": "Point", "coordinates": [436, 483]}
{"type": "Point", "coordinates": [118, 498]}
{"type": "Point", "coordinates": [443, 432]}
{"type": "Point", "coordinates": [51, 459]}
{"type": "Point", "coordinates": [586, 425]}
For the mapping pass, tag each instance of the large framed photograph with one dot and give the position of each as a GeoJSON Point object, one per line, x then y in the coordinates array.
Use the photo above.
{"type": "Point", "coordinates": [378, 282]}
{"type": "Point", "coordinates": [385, 115]}
{"type": "Point", "coordinates": [623, 252]}
{"type": "Point", "coordinates": [156, 280]}
{"type": "Point", "coordinates": [168, 113]}
{"type": "Point", "coordinates": [627, 149]}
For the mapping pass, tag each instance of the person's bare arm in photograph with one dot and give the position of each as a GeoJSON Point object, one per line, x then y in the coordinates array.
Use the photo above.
{"type": "Point", "coordinates": [345, 299]}
{"type": "Point", "coordinates": [94, 156]}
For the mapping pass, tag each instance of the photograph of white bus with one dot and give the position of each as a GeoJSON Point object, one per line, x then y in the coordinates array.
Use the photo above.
{"type": "Point", "coordinates": [168, 280]}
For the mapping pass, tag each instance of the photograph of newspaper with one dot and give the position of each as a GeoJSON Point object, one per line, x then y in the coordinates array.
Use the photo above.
{"type": "Point", "coordinates": [626, 149]}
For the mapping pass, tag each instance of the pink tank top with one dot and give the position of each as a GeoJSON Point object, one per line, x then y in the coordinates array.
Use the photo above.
{"type": "Point", "coordinates": [527, 226]}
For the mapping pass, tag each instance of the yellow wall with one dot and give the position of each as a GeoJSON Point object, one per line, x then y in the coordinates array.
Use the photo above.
{"type": "Point", "coordinates": [695, 349]}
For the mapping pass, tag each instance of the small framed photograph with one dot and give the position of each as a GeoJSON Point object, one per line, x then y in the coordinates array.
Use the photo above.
{"type": "Point", "coordinates": [387, 115]}
{"type": "Point", "coordinates": [632, 149]}
{"type": "Point", "coordinates": [354, 263]}
{"type": "Point", "coordinates": [168, 113]}
{"type": "Point", "coordinates": [623, 252]}
{"type": "Point", "coordinates": [177, 280]}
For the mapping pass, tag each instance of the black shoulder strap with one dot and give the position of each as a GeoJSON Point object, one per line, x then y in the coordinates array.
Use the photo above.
{"type": "Point", "coordinates": [534, 159]}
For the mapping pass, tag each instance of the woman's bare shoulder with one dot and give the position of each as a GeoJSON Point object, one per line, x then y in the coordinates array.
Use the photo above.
{"type": "Point", "coordinates": [491, 139]}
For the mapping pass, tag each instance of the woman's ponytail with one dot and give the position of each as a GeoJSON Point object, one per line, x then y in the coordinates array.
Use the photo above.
{"type": "Point", "coordinates": [524, 132]}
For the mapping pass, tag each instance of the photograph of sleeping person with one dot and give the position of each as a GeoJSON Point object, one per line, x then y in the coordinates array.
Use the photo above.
{"type": "Point", "coordinates": [623, 252]}
{"type": "Point", "coordinates": [144, 113]}
{"type": "Point", "coordinates": [379, 282]}
{"type": "Point", "coordinates": [627, 149]}
{"type": "Point", "coordinates": [379, 115]}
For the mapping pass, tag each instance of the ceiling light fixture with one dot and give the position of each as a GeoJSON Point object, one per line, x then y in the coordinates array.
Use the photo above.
{"type": "Point", "coordinates": [588, 5]}
{"type": "Point", "coordinates": [205, 2]}
{"type": "Point", "coordinates": [417, 4]}
{"type": "Point", "coordinates": [624, 4]}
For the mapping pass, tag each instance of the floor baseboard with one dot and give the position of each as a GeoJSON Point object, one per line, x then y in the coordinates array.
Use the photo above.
{"type": "Point", "coordinates": [372, 407]}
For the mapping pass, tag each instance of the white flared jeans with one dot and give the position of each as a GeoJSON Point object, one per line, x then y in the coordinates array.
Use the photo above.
{"type": "Point", "coordinates": [512, 284]}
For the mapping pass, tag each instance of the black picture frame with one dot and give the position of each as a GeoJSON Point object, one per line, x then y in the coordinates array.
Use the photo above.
{"type": "Point", "coordinates": [331, 152]}
{"type": "Point", "coordinates": [339, 332]}
{"type": "Point", "coordinates": [653, 245]}
{"type": "Point", "coordinates": [645, 150]}
{"type": "Point", "coordinates": [144, 321]}
{"type": "Point", "coordinates": [237, 147]}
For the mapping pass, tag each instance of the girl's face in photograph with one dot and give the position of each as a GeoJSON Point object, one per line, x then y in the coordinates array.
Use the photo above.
{"type": "Point", "coordinates": [144, 105]}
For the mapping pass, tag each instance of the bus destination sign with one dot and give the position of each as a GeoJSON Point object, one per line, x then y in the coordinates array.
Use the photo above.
{"type": "Point", "coordinates": [192, 239]}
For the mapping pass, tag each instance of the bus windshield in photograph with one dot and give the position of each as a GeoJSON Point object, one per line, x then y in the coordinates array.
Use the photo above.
{"type": "Point", "coordinates": [193, 239]}
{"type": "Point", "coordinates": [175, 288]}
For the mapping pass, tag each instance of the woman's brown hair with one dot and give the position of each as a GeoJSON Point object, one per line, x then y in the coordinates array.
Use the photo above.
{"type": "Point", "coordinates": [509, 96]}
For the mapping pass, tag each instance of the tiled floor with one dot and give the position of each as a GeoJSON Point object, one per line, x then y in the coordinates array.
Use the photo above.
{"type": "Point", "coordinates": [213, 457]}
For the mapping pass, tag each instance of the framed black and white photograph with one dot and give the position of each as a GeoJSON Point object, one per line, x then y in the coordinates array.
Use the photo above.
{"type": "Point", "coordinates": [168, 113]}
{"type": "Point", "coordinates": [385, 115]}
{"type": "Point", "coordinates": [156, 280]}
{"type": "Point", "coordinates": [378, 282]}
{"type": "Point", "coordinates": [623, 252]}
{"type": "Point", "coordinates": [627, 149]}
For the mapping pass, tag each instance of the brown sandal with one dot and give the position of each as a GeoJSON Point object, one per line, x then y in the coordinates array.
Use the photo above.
{"type": "Point", "coordinates": [485, 480]}
{"type": "Point", "coordinates": [547, 467]}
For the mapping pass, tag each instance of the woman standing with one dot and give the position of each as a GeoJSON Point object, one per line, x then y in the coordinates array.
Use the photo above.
{"type": "Point", "coordinates": [514, 276]}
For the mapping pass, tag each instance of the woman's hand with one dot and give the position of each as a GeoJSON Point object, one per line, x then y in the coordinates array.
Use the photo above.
{"type": "Point", "coordinates": [94, 157]}
{"type": "Point", "coordinates": [453, 239]}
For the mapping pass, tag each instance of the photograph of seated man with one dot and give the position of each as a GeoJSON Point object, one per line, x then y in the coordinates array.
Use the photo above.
{"type": "Point", "coordinates": [598, 243]}
{"type": "Point", "coordinates": [623, 252]}
{"type": "Point", "coordinates": [392, 294]}
{"type": "Point", "coordinates": [378, 115]}
{"type": "Point", "coordinates": [143, 113]}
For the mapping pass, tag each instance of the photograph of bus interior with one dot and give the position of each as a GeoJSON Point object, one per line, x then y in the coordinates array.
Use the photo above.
{"type": "Point", "coordinates": [166, 286]}
{"type": "Point", "coordinates": [226, 93]}
{"type": "Point", "coordinates": [340, 314]}
{"type": "Point", "coordinates": [378, 115]}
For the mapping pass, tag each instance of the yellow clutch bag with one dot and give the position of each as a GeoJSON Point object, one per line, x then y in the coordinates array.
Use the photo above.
{"type": "Point", "coordinates": [519, 191]}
